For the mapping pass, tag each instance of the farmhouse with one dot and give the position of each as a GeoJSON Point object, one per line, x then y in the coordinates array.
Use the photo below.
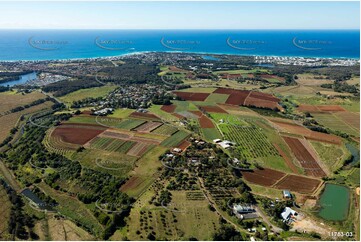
{"type": "Point", "coordinates": [286, 194]}
{"type": "Point", "coordinates": [240, 209]}
{"type": "Point", "coordinates": [225, 144]}
{"type": "Point", "coordinates": [287, 214]}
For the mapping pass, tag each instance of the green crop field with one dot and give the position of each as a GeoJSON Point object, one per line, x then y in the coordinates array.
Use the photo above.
{"type": "Point", "coordinates": [89, 92]}
{"type": "Point", "coordinates": [165, 130]}
{"type": "Point", "coordinates": [175, 139]}
{"type": "Point", "coordinates": [251, 142]}
{"type": "Point", "coordinates": [82, 119]}
{"type": "Point", "coordinates": [224, 118]}
{"type": "Point", "coordinates": [211, 134]}
{"type": "Point", "coordinates": [335, 123]}
{"type": "Point", "coordinates": [130, 124]}
{"type": "Point", "coordinates": [111, 145]}
{"type": "Point", "coordinates": [121, 113]}
{"type": "Point", "coordinates": [199, 89]}
{"type": "Point", "coordinates": [217, 98]}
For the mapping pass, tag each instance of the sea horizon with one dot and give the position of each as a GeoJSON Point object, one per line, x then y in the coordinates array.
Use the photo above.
{"type": "Point", "coordinates": [77, 44]}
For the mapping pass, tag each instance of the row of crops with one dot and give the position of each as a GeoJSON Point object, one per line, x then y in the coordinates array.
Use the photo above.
{"type": "Point", "coordinates": [251, 142]}
{"type": "Point", "coordinates": [165, 130]}
{"type": "Point", "coordinates": [175, 139]}
{"type": "Point", "coordinates": [112, 145]}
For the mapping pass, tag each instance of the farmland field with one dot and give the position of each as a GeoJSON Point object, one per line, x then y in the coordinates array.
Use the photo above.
{"type": "Point", "coordinates": [67, 206]}
{"type": "Point", "coordinates": [168, 225]}
{"type": "Point", "coordinates": [9, 121]}
{"type": "Point", "coordinates": [77, 133]}
{"type": "Point", "coordinates": [335, 122]}
{"type": "Point", "coordinates": [217, 98]}
{"type": "Point", "coordinates": [211, 134]}
{"type": "Point", "coordinates": [11, 99]}
{"type": "Point", "coordinates": [84, 93]}
{"type": "Point", "coordinates": [129, 124]}
{"type": "Point", "coordinates": [165, 129]}
{"type": "Point", "coordinates": [251, 142]}
{"type": "Point", "coordinates": [175, 139]}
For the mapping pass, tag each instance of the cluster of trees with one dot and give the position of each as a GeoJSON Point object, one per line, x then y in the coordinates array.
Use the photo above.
{"type": "Point", "coordinates": [62, 88]}
{"type": "Point", "coordinates": [95, 185]}
{"type": "Point", "coordinates": [163, 99]}
{"type": "Point", "coordinates": [132, 72]}
{"type": "Point", "coordinates": [20, 224]}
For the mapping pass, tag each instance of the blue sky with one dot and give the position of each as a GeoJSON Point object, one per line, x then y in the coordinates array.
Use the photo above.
{"type": "Point", "coordinates": [179, 15]}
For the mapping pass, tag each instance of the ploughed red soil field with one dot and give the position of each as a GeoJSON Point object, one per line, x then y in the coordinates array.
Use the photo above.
{"type": "Point", "coordinates": [77, 133]}
{"type": "Point", "coordinates": [280, 180]}
{"type": "Point", "coordinates": [249, 98]}
{"type": "Point", "coordinates": [133, 182]}
{"type": "Point", "coordinates": [197, 113]}
{"type": "Point", "coordinates": [184, 145]}
{"type": "Point", "coordinates": [143, 115]}
{"type": "Point", "coordinates": [265, 177]}
{"type": "Point", "coordinates": [251, 101]}
{"type": "Point", "coordinates": [205, 122]}
{"type": "Point", "coordinates": [178, 115]}
{"type": "Point", "coordinates": [264, 96]}
{"type": "Point", "coordinates": [298, 184]}
{"type": "Point", "coordinates": [290, 127]}
{"type": "Point", "coordinates": [168, 108]}
{"type": "Point", "coordinates": [212, 109]}
{"type": "Point", "coordinates": [305, 157]}
{"type": "Point", "coordinates": [192, 96]}
{"type": "Point", "coordinates": [320, 108]}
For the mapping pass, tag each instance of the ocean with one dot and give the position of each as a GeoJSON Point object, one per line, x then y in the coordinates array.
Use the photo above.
{"type": "Point", "coordinates": [74, 44]}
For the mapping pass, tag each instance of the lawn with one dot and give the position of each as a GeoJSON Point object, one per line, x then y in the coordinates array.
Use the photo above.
{"type": "Point", "coordinates": [93, 92]}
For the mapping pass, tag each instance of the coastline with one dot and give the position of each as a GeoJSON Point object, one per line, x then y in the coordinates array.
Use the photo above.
{"type": "Point", "coordinates": [178, 52]}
